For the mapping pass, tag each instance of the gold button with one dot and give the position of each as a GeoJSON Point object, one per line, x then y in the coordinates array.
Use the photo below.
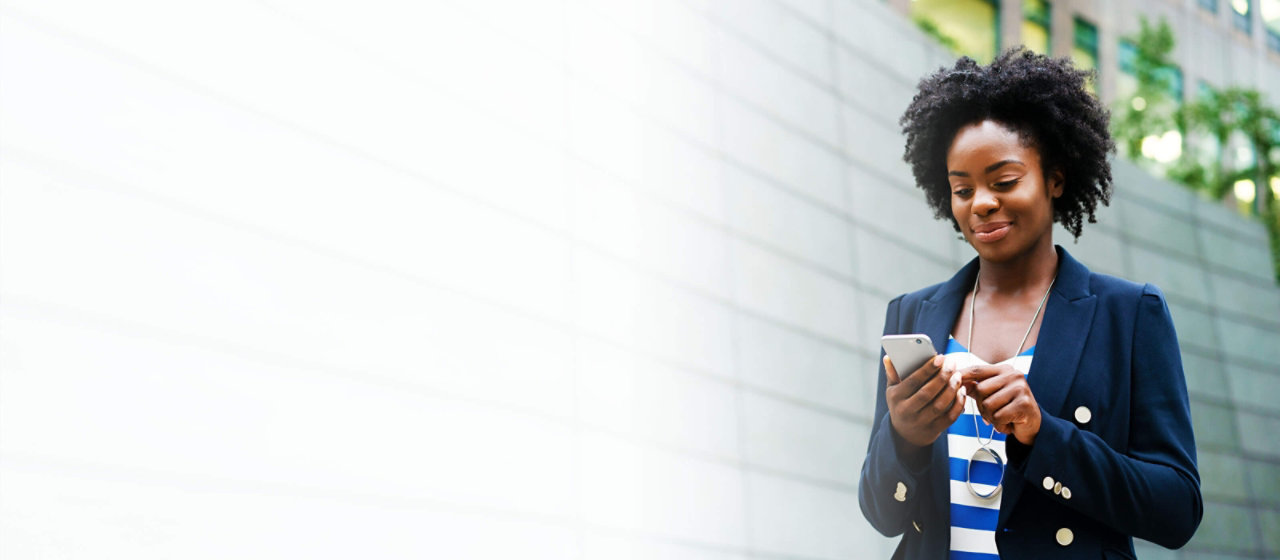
{"type": "Point", "coordinates": [1064, 536]}
{"type": "Point", "coordinates": [1057, 488]}
{"type": "Point", "coordinates": [1083, 415]}
{"type": "Point", "coordinates": [901, 493]}
{"type": "Point", "coordinates": [1048, 483]}
{"type": "Point", "coordinates": [1066, 493]}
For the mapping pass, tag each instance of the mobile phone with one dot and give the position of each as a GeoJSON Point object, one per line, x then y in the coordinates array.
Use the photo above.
{"type": "Point", "coordinates": [908, 351]}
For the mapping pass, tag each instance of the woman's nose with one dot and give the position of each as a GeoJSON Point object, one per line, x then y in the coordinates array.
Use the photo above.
{"type": "Point", "coordinates": [985, 202]}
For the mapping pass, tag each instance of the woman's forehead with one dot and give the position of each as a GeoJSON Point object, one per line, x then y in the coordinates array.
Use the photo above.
{"type": "Point", "coordinates": [988, 140]}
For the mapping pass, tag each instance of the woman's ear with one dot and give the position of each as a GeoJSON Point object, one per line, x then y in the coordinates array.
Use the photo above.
{"type": "Point", "coordinates": [1056, 181]}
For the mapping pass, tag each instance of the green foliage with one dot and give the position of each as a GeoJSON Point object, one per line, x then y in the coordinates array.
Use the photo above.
{"type": "Point", "coordinates": [1153, 67]}
{"type": "Point", "coordinates": [930, 28]}
{"type": "Point", "coordinates": [1210, 126]}
{"type": "Point", "coordinates": [1235, 116]}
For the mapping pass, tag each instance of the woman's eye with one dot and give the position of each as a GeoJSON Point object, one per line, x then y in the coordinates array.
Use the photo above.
{"type": "Point", "coordinates": [1007, 184]}
{"type": "Point", "coordinates": [962, 192]}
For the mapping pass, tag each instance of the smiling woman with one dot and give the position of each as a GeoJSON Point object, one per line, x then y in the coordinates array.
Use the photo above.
{"type": "Point", "coordinates": [1065, 412]}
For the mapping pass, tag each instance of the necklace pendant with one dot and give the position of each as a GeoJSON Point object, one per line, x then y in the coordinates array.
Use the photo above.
{"type": "Point", "coordinates": [992, 457]}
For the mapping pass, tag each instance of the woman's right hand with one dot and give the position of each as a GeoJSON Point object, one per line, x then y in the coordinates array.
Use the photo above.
{"type": "Point", "coordinates": [924, 404]}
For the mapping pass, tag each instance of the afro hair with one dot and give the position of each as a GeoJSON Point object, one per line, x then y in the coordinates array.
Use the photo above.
{"type": "Point", "coordinates": [1043, 99]}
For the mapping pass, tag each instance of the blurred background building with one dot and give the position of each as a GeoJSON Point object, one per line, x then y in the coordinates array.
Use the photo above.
{"type": "Point", "coordinates": [1220, 43]}
{"type": "Point", "coordinates": [564, 279]}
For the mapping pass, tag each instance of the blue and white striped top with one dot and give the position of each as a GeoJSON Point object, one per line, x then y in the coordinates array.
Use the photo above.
{"type": "Point", "coordinates": [973, 519]}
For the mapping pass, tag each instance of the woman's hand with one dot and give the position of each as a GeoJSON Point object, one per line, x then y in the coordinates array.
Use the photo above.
{"type": "Point", "coordinates": [924, 404]}
{"type": "Point", "coordinates": [1004, 399]}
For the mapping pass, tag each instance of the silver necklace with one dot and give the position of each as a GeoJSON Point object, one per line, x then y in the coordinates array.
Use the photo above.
{"type": "Point", "coordinates": [984, 447]}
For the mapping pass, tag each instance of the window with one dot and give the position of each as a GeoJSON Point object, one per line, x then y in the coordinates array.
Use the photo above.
{"type": "Point", "coordinates": [1174, 79]}
{"type": "Point", "coordinates": [1085, 49]}
{"type": "Point", "coordinates": [1035, 25]}
{"type": "Point", "coordinates": [1203, 88]}
{"type": "Point", "coordinates": [1128, 56]}
{"type": "Point", "coordinates": [1270, 13]}
{"type": "Point", "coordinates": [1240, 15]}
{"type": "Point", "coordinates": [1127, 79]}
{"type": "Point", "coordinates": [1206, 143]}
{"type": "Point", "coordinates": [969, 27]}
{"type": "Point", "coordinates": [1163, 143]}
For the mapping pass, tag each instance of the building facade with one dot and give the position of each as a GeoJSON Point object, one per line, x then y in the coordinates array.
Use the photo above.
{"type": "Point", "coordinates": [1220, 43]}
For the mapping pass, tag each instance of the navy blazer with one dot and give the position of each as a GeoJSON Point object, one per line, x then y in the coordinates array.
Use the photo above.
{"type": "Point", "coordinates": [1115, 430]}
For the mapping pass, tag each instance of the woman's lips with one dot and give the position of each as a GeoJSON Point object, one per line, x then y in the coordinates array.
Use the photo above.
{"type": "Point", "coordinates": [989, 233]}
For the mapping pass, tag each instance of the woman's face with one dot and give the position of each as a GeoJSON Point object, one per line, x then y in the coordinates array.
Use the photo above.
{"type": "Point", "coordinates": [999, 194]}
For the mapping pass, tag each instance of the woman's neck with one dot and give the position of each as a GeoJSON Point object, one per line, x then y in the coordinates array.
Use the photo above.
{"type": "Point", "coordinates": [1033, 271]}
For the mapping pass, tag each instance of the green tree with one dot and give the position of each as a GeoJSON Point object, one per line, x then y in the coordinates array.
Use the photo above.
{"type": "Point", "coordinates": [1151, 110]}
{"type": "Point", "coordinates": [1216, 121]}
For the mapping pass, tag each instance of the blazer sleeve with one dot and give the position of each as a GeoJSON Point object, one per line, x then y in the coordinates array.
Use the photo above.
{"type": "Point", "coordinates": [1152, 491]}
{"type": "Point", "coordinates": [887, 489]}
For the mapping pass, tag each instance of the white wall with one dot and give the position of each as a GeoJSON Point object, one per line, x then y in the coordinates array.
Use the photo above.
{"type": "Point", "coordinates": [456, 279]}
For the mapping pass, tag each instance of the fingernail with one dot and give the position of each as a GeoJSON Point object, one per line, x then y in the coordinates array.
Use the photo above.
{"type": "Point", "coordinates": [937, 360]}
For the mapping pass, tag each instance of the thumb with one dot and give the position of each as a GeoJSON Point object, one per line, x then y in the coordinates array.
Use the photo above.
{"type": "Point", "coordinates": [890, 374]}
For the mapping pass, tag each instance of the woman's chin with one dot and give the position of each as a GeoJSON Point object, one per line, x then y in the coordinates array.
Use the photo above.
{"type": "Point", "coordinates": [998, 251]}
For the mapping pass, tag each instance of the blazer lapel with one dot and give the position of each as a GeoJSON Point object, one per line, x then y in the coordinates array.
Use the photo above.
{"type": "Point", "coordinates": [1067, 318]}
{"type": "Point", "coordinates": [935, 317]}
{"type": "Point", "coordinates": [938, 313]}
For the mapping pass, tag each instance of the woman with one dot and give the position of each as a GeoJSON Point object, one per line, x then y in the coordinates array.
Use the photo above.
{"type": "Point", "coordinates": [1055, 422]}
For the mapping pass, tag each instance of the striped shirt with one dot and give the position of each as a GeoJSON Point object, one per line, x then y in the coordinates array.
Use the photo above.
{"type": "Point", "coordinates": [973, 519]}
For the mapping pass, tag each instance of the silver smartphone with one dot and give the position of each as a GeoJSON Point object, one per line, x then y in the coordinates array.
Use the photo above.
{"type": "Point", "coordinates": [908, 351]}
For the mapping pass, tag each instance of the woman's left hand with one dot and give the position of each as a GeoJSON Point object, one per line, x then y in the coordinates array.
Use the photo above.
{"type": "Point", "coordinates": [1004, 399]}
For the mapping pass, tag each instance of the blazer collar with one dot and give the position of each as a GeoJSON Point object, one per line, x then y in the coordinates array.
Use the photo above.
{"type": "Point", "coordinates": [1067, 316]}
